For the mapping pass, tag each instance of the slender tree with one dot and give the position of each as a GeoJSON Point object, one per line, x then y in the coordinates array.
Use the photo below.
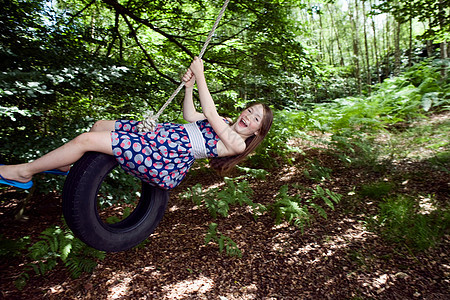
{"type": "Point", "coordinates": [366, 46]}
{"type": "Point", "coordinates": [336, 32]}
{"type": "Point", "coordinates": [353, 13]}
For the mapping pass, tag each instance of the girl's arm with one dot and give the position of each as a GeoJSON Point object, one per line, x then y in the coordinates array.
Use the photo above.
{"type": "Point", "coordinates": [233, 143]}
{"type": "Point", "coordinates": [190, 114]}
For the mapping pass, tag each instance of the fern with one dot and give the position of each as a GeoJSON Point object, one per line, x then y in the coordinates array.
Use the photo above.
{"type": "Point", "coordinates": [218, 201]}
{"type": "Point", "coordinates": [58, 245]}
{"type": "Point", "coordinates": [327, 196]}
{"type": "Point", "coordinates": [224, 242]}
{"type": "Point", "coordinates": [317, 172]}
{"type": "Point", "coordinates": [253, 173]}
{"type": "Point", "coordinates": [296, 211]}
{"type": "Point", "coordinates": [195, 193]}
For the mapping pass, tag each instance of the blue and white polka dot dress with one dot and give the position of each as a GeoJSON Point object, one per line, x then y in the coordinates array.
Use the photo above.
{"type": "Point", "coordinates": [161, 157]}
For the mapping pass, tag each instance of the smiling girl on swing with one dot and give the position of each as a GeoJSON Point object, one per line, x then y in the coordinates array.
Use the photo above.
{"type": "Point", "coordinates": [164, 155]}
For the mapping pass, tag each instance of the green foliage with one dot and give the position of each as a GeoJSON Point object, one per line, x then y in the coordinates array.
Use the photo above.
{"type": "Point", "coordinates": [286, 125]}
{"type": "Point", "coordinates": [223, 241]}
{"type": "Point", "coordinates": [253, 173]}
{"type": "Point", "coordinates": [296, 210]}
{"type": "Point", "coordinates": [119, 187]}
{"type": "Point", "coordinates": [431, 11]}
{"type": "Point", "coordinates": [12, 248]}
{"type": "Point", "coordinates": [317, 172]}
{"type": "Point", "coordinates": [290, 209]}
{"type": "Point", "coordinates": [354, 148]}
{"type": "Point", "coordinates": [114, 219]}
{"type": "Point", "coordinates": [219, 200]}
{"type": "Point", "coordinates": [377, 190]}
{"type": "Point", "coordinates": [58, 245]}
{"type": "Point", "coordinates": [408, 96]}
{"type": "Point", "coordinates": [442, 161]}
{"type": "Point", "coordinates": [400, 221]}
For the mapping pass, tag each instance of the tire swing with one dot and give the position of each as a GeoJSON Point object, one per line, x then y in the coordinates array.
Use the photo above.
{"type": "Point", "coordinates": [82, 215]}
{"type": "Point", "coordinates": [83, 184]}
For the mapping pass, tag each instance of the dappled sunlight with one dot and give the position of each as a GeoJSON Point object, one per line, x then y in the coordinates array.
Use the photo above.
{"type": "Point", "coordinates": [120, 282]}
{"type": "Point", "coordinates": [248, 292]}
{"type": "Point", "coordinates": [213, 186]}
{"type": "Point", "coordinates": [289, 172]}
{"type": "Point", "coordinates": [55, 290]}
{"type": "Point", "coordinates": [426, 205]}
{"type": "Point", "coordinates": [355, 234]}
{"type": "Point", "coordinates": [182, 289]}
{"type": "Point", "coordinates": [379, 281]}
{"type": "Point", "coordinates": [173, 208]}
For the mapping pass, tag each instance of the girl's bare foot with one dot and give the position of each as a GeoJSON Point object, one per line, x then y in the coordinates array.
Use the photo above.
{"type": "Point", "coordinates": [64, 169]}
{"type": "Point", "coordinates": [15, 173]}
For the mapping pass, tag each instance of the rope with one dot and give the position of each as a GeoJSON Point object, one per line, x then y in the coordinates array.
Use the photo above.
{"type": "Point", "coordinates": [150, 120]}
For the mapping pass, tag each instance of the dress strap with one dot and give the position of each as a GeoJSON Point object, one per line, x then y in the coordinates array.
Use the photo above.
{"type": "Point", "coordinates": [197, 140]}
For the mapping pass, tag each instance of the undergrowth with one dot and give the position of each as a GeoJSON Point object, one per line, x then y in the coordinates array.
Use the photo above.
{"type": "Point", "coordinates": [401, 221]}
{"type": "Point", "coordinates": [56, 246]}
{"type": "Point", "coordinates": [296, 209]}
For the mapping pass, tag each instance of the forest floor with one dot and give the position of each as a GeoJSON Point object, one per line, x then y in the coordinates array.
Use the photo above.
{"type": "Point", "coordinates": [334, 258]}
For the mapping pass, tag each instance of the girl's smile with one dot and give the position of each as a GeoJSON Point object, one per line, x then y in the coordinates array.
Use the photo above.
{"type": "Point", "coordinates": [249, 122]}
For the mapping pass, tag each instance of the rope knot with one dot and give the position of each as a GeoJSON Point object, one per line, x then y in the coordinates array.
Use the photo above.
{"type": "Point", "coordinates": [149, 123]}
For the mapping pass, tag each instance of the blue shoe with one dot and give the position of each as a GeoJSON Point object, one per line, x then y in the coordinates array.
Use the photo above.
{"type": "Point", "coordinates": [56, 172]}
{"type": "Point", "coordinates": [21, 185]}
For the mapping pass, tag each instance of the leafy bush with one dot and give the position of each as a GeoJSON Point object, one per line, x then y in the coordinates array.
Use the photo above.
{"type": "Point", "coordinates": [376, 190]}
{"type": "Point", "coordinates": [412, 94]}
{"type": "Point", "coordinates": [218, 201]}
{"type": "Point", "coordinates": [399, 221]}
{"type": "Point", "coordinates": [296, 210]}
{"type": "Point", "coordinates": [58, 245]}
{"type": "Point", "coordinates": [286, 125]}
{"type": "Point", "coordinates": [119, 187]}
{"type": "Point", "coordinates": [317, 172]}
{"type": "Point", "coordinates": [354, 148]}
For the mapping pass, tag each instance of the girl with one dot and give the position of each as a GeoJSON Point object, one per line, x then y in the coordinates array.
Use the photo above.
{"type": "Point", "coordinates": [163, 156]}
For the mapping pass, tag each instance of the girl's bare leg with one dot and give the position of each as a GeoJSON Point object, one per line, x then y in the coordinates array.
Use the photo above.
{"type": "Point", "coordinates": [98, 141]}
{"type": "Point", "coordinates": [99, 126]}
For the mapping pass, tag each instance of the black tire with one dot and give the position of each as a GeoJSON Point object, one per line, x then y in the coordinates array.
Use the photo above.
{"type": "Point", "coordinates": [80, 207]}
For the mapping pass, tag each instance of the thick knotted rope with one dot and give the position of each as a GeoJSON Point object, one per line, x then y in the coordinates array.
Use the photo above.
{"type": "Point", "coordinates": [149, 123]}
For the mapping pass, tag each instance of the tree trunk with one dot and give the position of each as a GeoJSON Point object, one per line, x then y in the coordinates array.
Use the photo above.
{"type": "Point", "coordinates": [336, 32]}
{"type": "Point", "coordinates": [321, 46]}
{"type": "Point", "coordinates": [410, 41]}
{"type": "Point", "coordinates": [397, 53]}
{"type": "Point", "coordinates": [369, 75]}
{"type": "Point", "coordinates": [377, 62]}
{"type": "Point", "coordinates": [354, 21]}
{"type": "Point", "coordinates": [443, 45]}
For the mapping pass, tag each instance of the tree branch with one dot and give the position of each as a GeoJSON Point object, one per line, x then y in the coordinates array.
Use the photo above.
{"type": "Point", "coordinates": [81, 11]}
{"type": "Point", "coordinates": [125, 11]}
{"type": "Point", "coordinates": [147, 56]}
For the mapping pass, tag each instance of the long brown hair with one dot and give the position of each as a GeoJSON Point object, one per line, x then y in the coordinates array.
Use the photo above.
{"type": "Point", "coordinates": [224, 164]}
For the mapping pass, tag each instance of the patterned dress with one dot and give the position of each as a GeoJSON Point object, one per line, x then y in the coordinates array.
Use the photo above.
{"type": "Point", "coordinates": [161, 157]}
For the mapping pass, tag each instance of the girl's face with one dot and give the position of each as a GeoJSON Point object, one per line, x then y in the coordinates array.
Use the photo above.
{"type": "Point", "coordinates": [250, 120]}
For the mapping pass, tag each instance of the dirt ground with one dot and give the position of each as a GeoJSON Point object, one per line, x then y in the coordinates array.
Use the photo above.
{"type": "Point", "coordinates": [334, 258]}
